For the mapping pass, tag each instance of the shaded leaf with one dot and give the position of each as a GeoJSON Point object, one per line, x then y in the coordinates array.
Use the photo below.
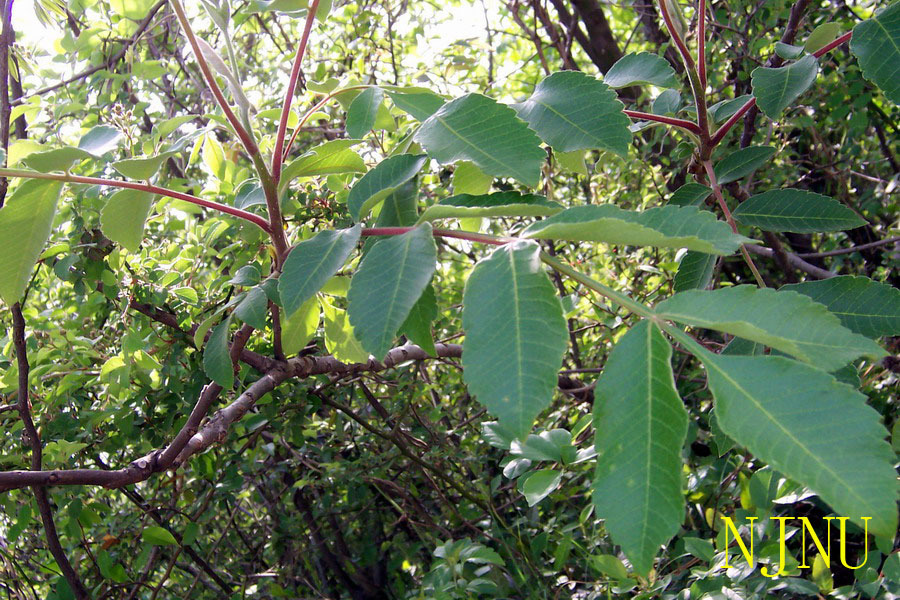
{"type": "Point", "coordinates": [26, 221]}
{"type": "Point", "coordinates": [741, 163]}
{"type": "Point", "coordinates": [381, 181]}
{"type": "Point", "coordinates": [362, 112]}
{"type": "Point", "coordinates": [58, 159]}
{"type": "Point", "coordinates": [690, 194]}
{"type": "Point", "coordinates": [641, 426]}
{"type": "Point", "coordinates": [142, 168]}
{"type": "Point", "coordinates": [665, 227]}
{"type": "Point", "coordinates": [540, 484]}
{"type": "Point", "coordinates": [339, 338]}
{"type": "Point", "coordinates": [311, 263]}
{"type": "Point", "coordinates": [100, 140]}
{"type": "Point", "coordinates": [821, 36]}
{"type": "Point", "coordinates": [667, 103]}
{"type": "Point", "coordinates": [776, 89]}
{"type": "Point", "coordinates": [390, 279]}
{"type": "Point", "coordinates": [571, 110]}
{"type": "Point", "coordinates": [469, 179]}
{"type": "Point", "coordinates": [783, 320]}
{"type": "Point", "coordinates": [788, 51]}
{"type": "Point", "coordinates": [876, 44]}
{"type": "Point", "coordinates": [417, 326]}
{"type": "Point", "coordinates": [123, 216]}
{"type": "Point", "coordinates": [813, 429]}
{"type": "Point", "coordinates": [331, 158]}
{"type": "Point", "coordinates": [640, 69]}
{"type": "Point", "coordinates": [864, 306]}
{"type": "Point", "coordinates": [253, 308]}
{"type": "Point", "coordinates": [498, 204]}
{"type": "Point", "coordinates": [798, 211]}
{"type": "Point", "coordinates": [481, 130]}
{"type": "Point", "coordinates": [297, 330]}
{"type": "Point", "coordinates": [724, 109]}
{"type": "Point", "coordinates": [694, 272]}
{"type": "Point", "coordinates": [515, 335]}
{"type": "Point", "coordinates": [246, 276]}
{"type": "Point", "coordinates": [216, 356]}
{"type": "Point", "coordinates": [158, 536]}
{"type": "Point", "coordinates": [419, 103]}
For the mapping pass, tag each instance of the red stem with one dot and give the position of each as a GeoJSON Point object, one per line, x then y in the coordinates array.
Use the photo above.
{"type": "Point", "coordinates": [682, 123]}
{"type": "Point", "coordinates": [720, 133]}
{"type": "Point", "coordinates": [682, 47]}
{"type": "Point", "coordinates": [289, 95]}
{"type": "Point", "coordinates": [701, 43]}
{"type": "Point", "coordinates": [144, 187]}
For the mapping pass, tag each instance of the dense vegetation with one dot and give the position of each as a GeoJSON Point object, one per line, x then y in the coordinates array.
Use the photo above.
{"type": "Point", "coordinates": [369, 300]}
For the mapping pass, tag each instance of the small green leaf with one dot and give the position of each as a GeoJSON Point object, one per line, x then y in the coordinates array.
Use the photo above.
{"type": "Point", "coordinates": [641, 426]}
{"type": "Point", "coordinates": [694, 272]}
{"type": "Point", "coordinates": [798, 211]}
{"type": "Point", "coordinates": [554, 445]}
{"type": "Point", "coordinates": [362, 112]}
{"type": "Point", "coordinates": [665, 227]}
{"type": "Point", "coordinates": [788, 51]}
{"type": "Point", "coordinates": [142, 168]}
{"type": "Point", "coordinates": [776, 89]}
{"type": "Point", "coordinates": [573, 162]}
{"type": "Point", "coordinates": [190, 533]}
{"type": "Point", "coordinates": [312, 263]}
{"type": "Point", "coordinates": [498, 204]}
{"type": "Point", "coordinates": [58, 159]}
{"type": "Point", "coordinates": [157, 536]}
{"type": "Point", "coordinates": [100, 140]}
{"type": "Point", "coordinates": [123, 216]}
{"type": "Point", "coordinates": [481, 130]}
{"type": "Point", "coordinates": [667, 103]}
{"type": "Point", "coordinates": [419, 103]}
{"type": "Point", "coordinates": [381, 181]}
{"type": "Point", "coordinates": [390, 279]}
{"type": "Point", "coordinates": [299, 328]}
{"type": "Point", "coordinates": [253, 308]}
{"type": "Point", "coordinates": [571, 110]}
{"type": "Point", "coordinates": [866, 307]}
{"type": "Point", "coordinates": [724, 109]}
{"type": "Point", "coordinates": [876, 44]}
{"type": "Point", "coordinates": [339, 338]}
{"type": "Point", "coordinates": [469, 179]}
{"type": "Point", "coordinates": [246, 276]}
{"type": "Point", "coordinates": [417, 326]}
{"type": "Point", "coordinates": [249, 193]}
{"type": "Point", "coordinates": [610, 566]}
{"type": "Point", "coordinates": [216, 356]}
{"type": "Point", "coordinates": [641, 68]}
{"type": "Point", "coordinates": [816, 431]}
{"type": "Point", "coordinates": [515, 335]}
{"type": "Point", "coordinates": [26, 221]}
{"type": "Point", "coordinates": [821, 36]}
{"type": "Point", "coordinates": [741, 163]}
{"type": "Point", "coordinates": [783, 320]}
{"type": "Point", "coordinates": [690, 194]}
{"type": "Point", "coordinates": [540, 484]}
{"type": "Point", "coordinates": [400, 208]}
{"type": "Point", "coordinates": [331, 158]}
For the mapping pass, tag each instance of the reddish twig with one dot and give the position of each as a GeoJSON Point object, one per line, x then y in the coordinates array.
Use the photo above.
{"type": "Point", "coordinates": [682, 123]}
{"type": "Point", "coordinates": [701, 43]}
{"type": "Point", "coordinates": [277, 156]}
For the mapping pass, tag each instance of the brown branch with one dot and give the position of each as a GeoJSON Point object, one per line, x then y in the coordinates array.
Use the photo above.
{"type": "Point", "coordinates": [793, 259]}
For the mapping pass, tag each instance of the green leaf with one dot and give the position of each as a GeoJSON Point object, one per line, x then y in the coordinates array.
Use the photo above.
{"type": "Point", "coordinates": [813, 429]}
{"type": "Point", "coordinates": [641, 426]}
{"type": "Point", "coordinates": [641, 68]}
{"type": "Point", "coordinates": [157, 536]}
{"type": "Point", "coordinates": [253, 308]}
{"type": "Point", "coordinates": [419, 103]}
{"type": "Point", "coordinates": [123, 216]}
{"type": "Point", "coordinates": [554, 445]}
{"type": "Point", "coordinates": [665, 227]}
{"type": "Point", "coordinates": [540, 484]}
{"type": "Point", "coordinates": [339, 338]}
{"type": "Point", "coordinates": [246, 276]}
{"type": "Point", "coordinates": [572, 162]}
{"type": "Point", "coordinates": [498, 204]}
{"type": "Point", "coordinates": [381, 181]}
{"type": "Point", "coordinates": [390, 279]}
{"type": "Point", "coordinates": [667, 103]}
{"type": "Point", "coordinates": [100, 140]}
{"type": "Point", "coordinates": [217, 357]}
{"type": "Point", "coordinates": [311, 263]}
{"type": "Point", "coordinates": [876, 44]}
{"type": "Point", "coordinates": [142, 168]}
{"type": "Point", "coordinates": [866, 307]}
{"type": "Point", "coordinates": [821, 36]}
{"type": "Point", "coordinates": [515, 335]}
{"type": "Point", "coordinates": [690, 194]}
{"type": "Point", "coordinates": [400, 208]}
{"type": "Point", "coordinates": [788, 51]}
{"type": "Point", "coordinates": [417, 326]}
{"type": "Point", "coordinates": [776, 89]}
{"type": "Point", "coordinates": [571, 110]}
{"type": "Point", "coordinates": [26, 221]}
{"type": "Point", "coordinates": [741, 163]}
{"type": "Point", "coordinates": [58, 159]}
{"type": "Point", "coordinates": [249, 193]}
{"type": "Point", "coordinates": [469, 179]}
{"type": "Point", "coordinates": [798, 211]}
{"type": "Point", "coordinates": [300, 327]}
{"type": "Point", "coordinates": [724, 109]}
{"type": "Point", "coordinates": [362, 112]}
{"type": "Point", "coordinates": [786, 321]}
{"type": "Point", "coordinates": [479, 129]}
{"type": "Point", "coordinates": [694, 272]}
{"type": "Point", "coordinates": [331, 158]}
